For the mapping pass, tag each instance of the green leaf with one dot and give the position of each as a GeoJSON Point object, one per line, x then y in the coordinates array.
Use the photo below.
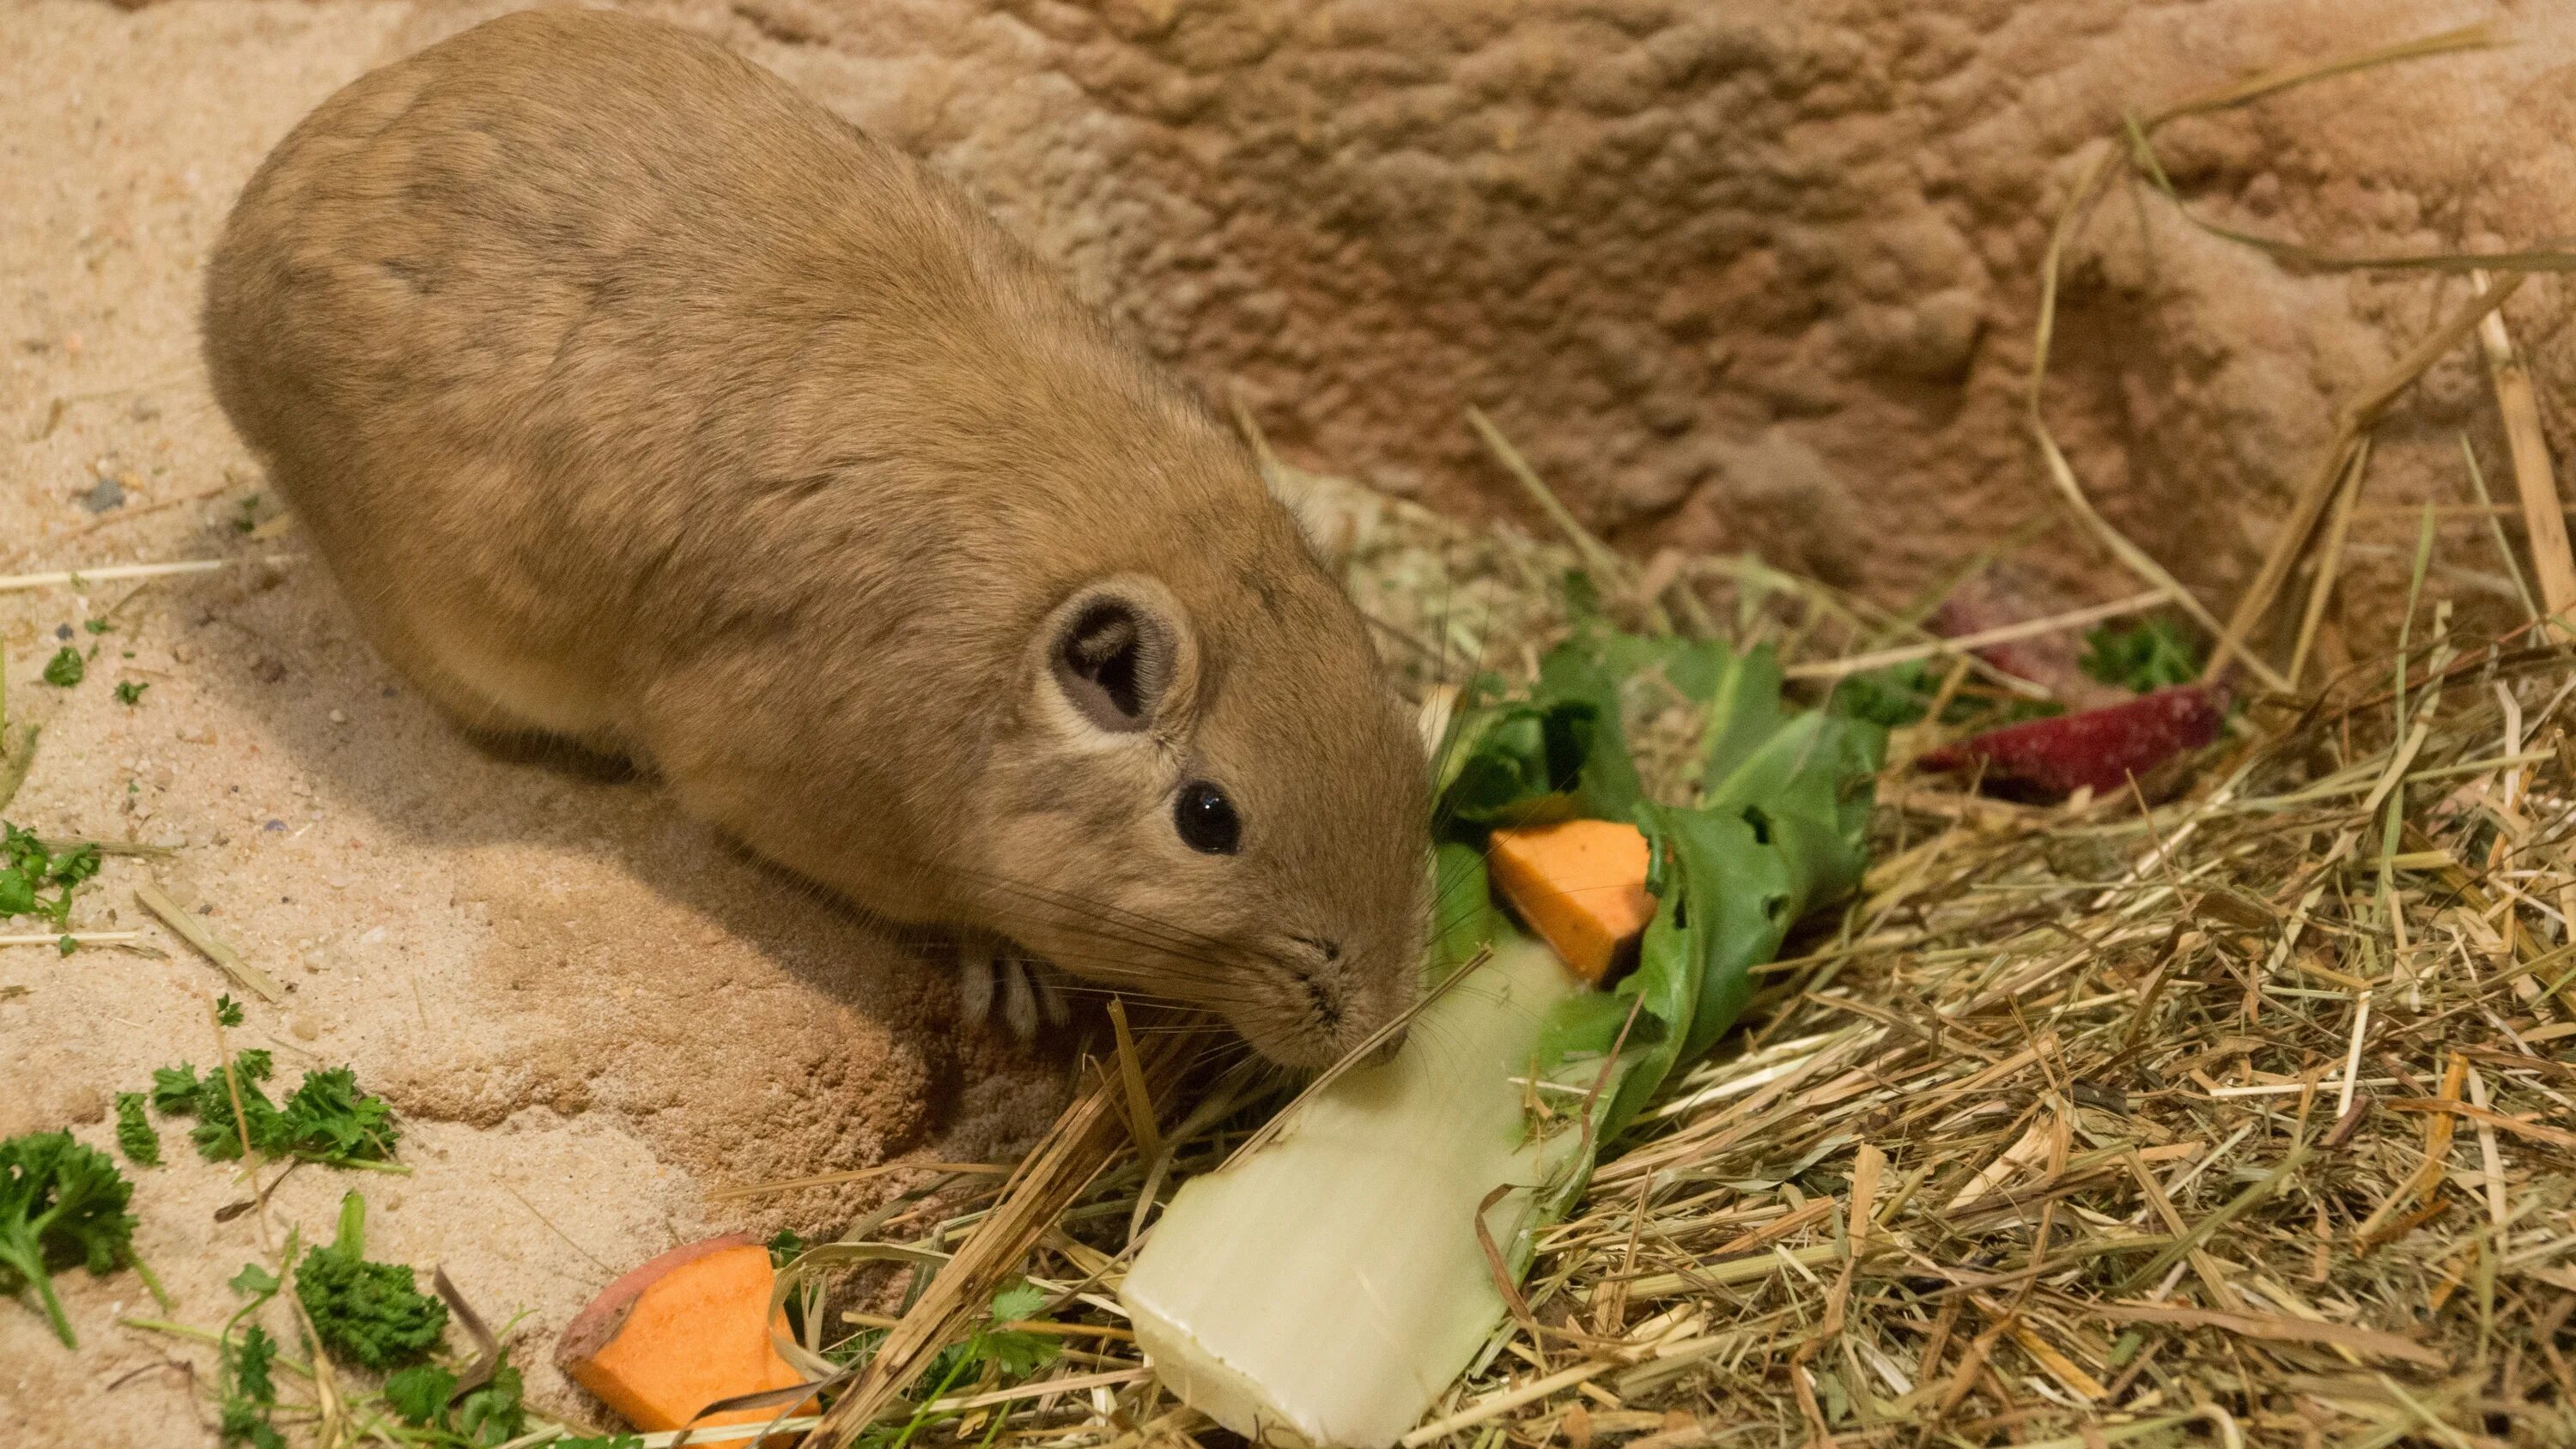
{"type": "Point", "coordinates": [784, 1248]}
{"type": "Point", "coordinates": [227, 1010]}
{"type": "Point", "coordinates": [419, 1393]}
{"type": "Point", "coordinates": [370, 1313]}
{"type": "Point", "coordinates": [66, 668]}
{"type": "Point", "coordinates": [73, 866]}
{"type": "Point", "coordinates": [1462, 911]}
{"type": "Point", "coordinates": [494, 1413]}
{"type": "Point", "coordinates": [218, 1137]}
{"type": "Point", "coordinates": [27, 868]}
{"type": "Point", "coordinates": [1514, 766]}
{"type": "Point", "coordinates": [2149, 655]}
{"type": "Point", "coordinates": [1018, 1301]}
{"type": "Point", "coordinates": [174, 1089]}
{"type": "Point", "coordinates": [241, 1421]}
{"type": "Point", "coordinates": [1890, 698]}
{"type": "Point", "coordinates": [1017, 1354]}
{"type": "Point", "coordinates": [327, 1119]}
{"type": "Point", "coordinates": [61, 1202]}
{"type": "Point", "coordinates": [330, 1120]}
{"type": "Point", "coordinates": [254, 1281]}
{"type": "Point", "coordinates": [134, 1134]}
{"type": "Point", "coordinates": [130, 691]}
{"type": "Point", "coordinates": [1778, 825]}
{"type": "Point", "coordinates": [490, 1414]}
{"type": "Point", "coordinates": [250, 1366]}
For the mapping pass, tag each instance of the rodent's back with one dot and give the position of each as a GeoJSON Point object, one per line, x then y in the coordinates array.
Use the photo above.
{"type": "Point", "coordinates": [628, 315]}
{"type": "Point", "coordinates": [633, 396]}
{"type": "Point", "coordinates": [622, 275]}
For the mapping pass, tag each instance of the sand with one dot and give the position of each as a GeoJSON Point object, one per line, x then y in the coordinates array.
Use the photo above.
{"type": "Point", "coordinates": [587, 1010]}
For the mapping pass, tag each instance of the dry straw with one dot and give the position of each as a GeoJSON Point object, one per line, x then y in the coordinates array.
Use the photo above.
{"type": "Point", "coordinates": [2243, 1119]}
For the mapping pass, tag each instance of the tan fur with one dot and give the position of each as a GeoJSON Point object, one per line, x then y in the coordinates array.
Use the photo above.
{"type": "Point", "coordinates": [635, 398]}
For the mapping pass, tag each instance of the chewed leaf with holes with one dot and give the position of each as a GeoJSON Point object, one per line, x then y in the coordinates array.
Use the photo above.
{"type": "Point", "coordinates": [1777, 825]}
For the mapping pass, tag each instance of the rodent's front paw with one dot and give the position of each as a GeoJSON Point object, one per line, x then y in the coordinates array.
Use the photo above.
{"type": "Point", "coordinates": [1028, 990]}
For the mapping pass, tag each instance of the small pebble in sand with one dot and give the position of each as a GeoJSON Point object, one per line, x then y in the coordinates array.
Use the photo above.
{"type": "Point", "coordinates": [304, 1027]}
{"type": "Point", "coordinates": [339, 717]}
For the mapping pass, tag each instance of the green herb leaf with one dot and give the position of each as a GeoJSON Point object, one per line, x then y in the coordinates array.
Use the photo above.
{"type": "Point", "coordinates": [227, 1010]}
{"type": "Point", "coordinates": [66, 668]}
{"type": "Point", "coordinates": [489, 1415]}
{"type": "Point", "coordinates": [217, 1135]}
{"type": "Point", "coordinates": [250, 1366]}
{"type": "Point", "coordinates": [27, 869]}
{"type": "Point", "coordinates": [130, 691]}
{"type": "Point", "coordinates": [174, 1089]}
{"type": "Point", "coordinates": [247, 1391]}
{"type": "Point", "coordinates": [370, 1313]}
{"type": "Point", "coordinates": [330, 1120]}
{"type": "Point", "coordinates": [493, 1414]}
{"type": "Point", "coordinates": [419, 1393]}
{"type": "Point", "coordinates": [1015, 1354]}
{"type": "Point", "coordinates": [243, 1422]}
{"type": "Point", "coordinates": [1890, 698]}
{"type": "Point", "coordinates": [1018, 1301]}
{"type": "Point", "coordinates": [327, 1119]}
{"type": "Point", "coordinates": [61, 1202]}
{"type": "Point", "coordinates": [2141, 657]}
{"type": "Point", "coordinates": [134, 1134]}
{"type": "Point", "coordinates": [1777, 826]}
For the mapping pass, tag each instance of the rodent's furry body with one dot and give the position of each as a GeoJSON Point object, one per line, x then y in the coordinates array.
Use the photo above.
{"type": "Point", "coordinates": [633, 397]}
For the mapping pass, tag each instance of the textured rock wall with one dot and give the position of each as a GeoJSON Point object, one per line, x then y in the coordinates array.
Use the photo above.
{"type": "Point", "coordinates": [1746, 275]}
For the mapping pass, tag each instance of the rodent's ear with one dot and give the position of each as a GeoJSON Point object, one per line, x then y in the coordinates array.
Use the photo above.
{"type": "Point", "coordinates": [1114, 652]}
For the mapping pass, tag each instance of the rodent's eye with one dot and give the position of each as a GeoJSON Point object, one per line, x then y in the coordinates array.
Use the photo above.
{"type": "Point", "coordinates": [1206, 819]}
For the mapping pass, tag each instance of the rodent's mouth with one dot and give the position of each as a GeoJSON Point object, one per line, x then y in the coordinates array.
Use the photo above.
{"type": "Point", "coordinates": [1308, 1048]}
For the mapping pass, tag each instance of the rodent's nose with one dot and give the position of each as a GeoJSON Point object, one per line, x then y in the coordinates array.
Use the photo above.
{"type": "Point", "coordinates": [1385, 1051]}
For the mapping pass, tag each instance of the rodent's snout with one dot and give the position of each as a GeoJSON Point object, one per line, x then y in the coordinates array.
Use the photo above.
{"type": "Point", "coordinates": [1385, 1051]}
{"type": "Point", "coordinates": [1338, 998]}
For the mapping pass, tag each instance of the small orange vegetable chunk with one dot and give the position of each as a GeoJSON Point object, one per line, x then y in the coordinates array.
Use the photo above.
{"type": "Point", "coordinates": [1580, 884]}
{"type": "Point", "coordinates": [682, 1331]}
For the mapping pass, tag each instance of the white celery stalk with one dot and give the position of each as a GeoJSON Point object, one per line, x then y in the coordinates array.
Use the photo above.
{"type": "Point", "coordinates": [1327, 1288]}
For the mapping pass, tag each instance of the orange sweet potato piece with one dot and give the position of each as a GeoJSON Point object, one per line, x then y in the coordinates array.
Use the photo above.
{"type": "Point", "coordinates": [682, 1331]}
{"type": "Point", "coordinates": [1580, 884]}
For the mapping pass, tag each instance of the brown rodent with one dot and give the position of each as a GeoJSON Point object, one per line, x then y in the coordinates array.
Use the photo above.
{"type": "Point", "coordinates": [634, 398]}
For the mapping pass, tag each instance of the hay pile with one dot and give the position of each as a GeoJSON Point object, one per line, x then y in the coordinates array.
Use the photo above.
{"type": "Point", "coordinates": [2242, 1119]}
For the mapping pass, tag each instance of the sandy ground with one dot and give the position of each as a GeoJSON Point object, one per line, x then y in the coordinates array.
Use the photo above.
{"type": "Point", "coordinates": [588, 1010]}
